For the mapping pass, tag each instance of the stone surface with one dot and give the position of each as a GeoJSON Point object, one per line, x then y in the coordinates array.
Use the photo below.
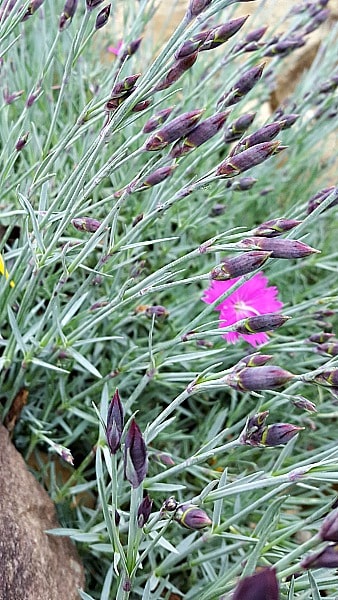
{"type": "Point", "coordinates": [33, 564]}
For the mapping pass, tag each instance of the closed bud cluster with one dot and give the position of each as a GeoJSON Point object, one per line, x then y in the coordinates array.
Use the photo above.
{"type": "Point", "coordinates": [318, 198]}
{"type": "Point", "coordinates": [67, 14]}
{"type": "Point", "coordinates": [236, 129]}
{"type": "Point", "coordinates": [176, 71]}
{"type": "Point", "coordinates": [262, 585]}
{"type": "Point", "coordinates": [233, 165]}
{"type": "Point", "coordinates": [156, 120]}
{"type": "Point", "coordinates": [86, 224]}
{"type": "Point", "coordinates": [327, 378]}
{"type": "Point", "coordinates": [257, 433]}
{"type": "Point", "coordinates": [121, 91]}
{"type": "Point", "coordinates": [135, 456]}
{"type": "Point", "coordinates": [144, 511]}
{"type": "Point", "coordinates": [275, 227]}
{"type": "Point", "coordinates": [260, 323]}
{"type": "Point", "coordinates": [327, 558]}
{"type": "Point", "coordinates": [175, 129]}
{"type": "Point", "coordinates": [279, 248]}
{"type": "Point", "coordinates": [284, 47]}
{"type": "Point", "coordinates": [221, 34]}
{"type": "Point", "coordinates": [191, 517]}
{"type": "Point", "coordinates": [239, 265]}
{"type": "Point", "coordinates": [320, 338]}
{"type": "Point", "coordinates": [157, 177]}
{"type": "Point", "coordinates": [242, 86]}
{"type": "Point", "coordinates": [255, 379]}
{"type": "Point", "coordinates": [115, 422]}
{"type": "Point", "coordinates": [330, 348]}
{"type": "Point", "coordinates": [102, 17]}
{"type": "Point", "coordinates": [200, 134]}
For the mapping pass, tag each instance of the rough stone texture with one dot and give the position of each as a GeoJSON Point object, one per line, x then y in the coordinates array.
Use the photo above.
{"type": "Point", "coordinates": [33, 564]}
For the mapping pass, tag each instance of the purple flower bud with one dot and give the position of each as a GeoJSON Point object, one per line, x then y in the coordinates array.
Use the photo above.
{"type": "Point", "coordinates": [176, 71]}
{"type": "Point", "coordinates": [144, 511]}
{"type": "Point", "coordinates": [217, 210]}
{"type": "Point", "coordinates": [223, 33]}
{"type": "Point", "coordinates": [117, 518]}
{"type": "Point", "coordinates": [142, 105]}
{"type": "Point", "coordinates": [135, 456]}
{"type": "Point", "coordinates": [329, 529]}
{"type": "Point", "coordinates": [275, 227]}
{"type": "Point", "coordinates": [122, 87]}
{"type": "Point", "coordinates": [285, 47]}
{"type": "Point", "coordinates": [304, 403]}
{"type": "Point", "coordinates": [260, 323]}
{"type": "Point", "coordinates": [131, 48]}
{"type": "Point", "coordinates": [9, 98]}
{"type": "Point", "coordinates": [286, 121]}
{"type": "Point", "coordinates": [22, 141]}
{"type": "Point", "coordinates": [243, 184]}
{"type": "Point", "coordinates": [265, 134]}
{"type": "Point", "coordinates": [233, 165]}
{"type": "Point", "coordinates": [157, 310]}
{"type": "Point", "coordinates": [191, 517]}
{"type": "Point", "coordinates": [327, 378]}
{"type": "Point", "coordinates": [269, 377]}
{"type": "Point", "coordinates": [67, 14]}
{"type": "Point", "coordinates": [279, 433]}
{"type": "Point", "coordinates": [279, 248]}
{"type": "Point", "coordinates": [319, 18]}
{"type": "Point", "coordinates": [86, 224]}
{"type": "Point", "coordinates": [32, 97]}
{"type": "Point", "coordinates": [156, 120]}
{"type": "Point", "coordinates": [91, 4]}
{"type": "Point", "coordinates": [254, 429]}
{"type": "Point", "coordinates": [157, 177]}
{"type": "Point", "coordinates": [200, 134]}
{"type": "Point", "coordinates": [188, 47]}
{"type": "Point", "coordinates": [330, 348]}
{"type": "Point", "coordinates": [239, 265]}
{"type": "Point", "coordinates": [115, 421]}
{"type": "Point", "coordinates": [327, 558]}
{"type": "Point", "coordinates": [32, 8]}
{"type": "Point", "coordinates": [242, 86]}
{"type": "Point", "coordinates": [175, 129]}
{"type": "Point", "coordinates": [255, 35]}
{"type": "Point", "coordinates": [320, 338]}
{"type": "Point", "coordinates": [253, 360]}
{"type": "Point", "coordinates": [263, 585]}
{"type": "Point", "coordinates": [238, 127]}
{"type": "Point", "coordinates": [196, 7]}
{"type": "Point", "coordinates": [318, 198]}
{"type": "Point", "coordinates": [102, 17]}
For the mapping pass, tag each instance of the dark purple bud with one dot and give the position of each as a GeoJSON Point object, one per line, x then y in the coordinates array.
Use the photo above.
{"type": "Point", "coordinates": [259, 323]}
{"type": "Point", "coordinates": [122, 87]}
{"type": "Point", "coordinates": [91, 4]}
{"type": "Point", "coordinates": [254, 429]}
{"type": "Point", "coordinates": [223, 33]}
{"type": "Point", "coordinates": [144, 511]}
{"type": "Point", "coordinates": [328, 378]}
{"type": "Point", "coordinates": [98, 305]}
{"type": "Point", "coordinates": [286, 121]}
{"type": "Point", "coordinates": [279, 433]}
{"type": "Point", "coordinates": [263, 585]}
{"type": "Point", "coordinates": [22, 141]}
{"type": "Point", "coordinates": [157, 310]}
{"type": "Point", "coordinates": [320, 338]}
{"type": "Point", "coordinates": [242, 86]}
{"type": "Point", "coordinates": [32, 97]}
{"type": "Point", "coordinates": [238, 127]}
{"type": "Point", "coordinates": [142, 105]}
{"type": "Point", "coordinates": [239, 265]}
{"type": "Point", "coordinates": [327, 558]}
{"type": "Point", "coordinates": [328, 348]}
{"type": "Point", "coordinates": [188, 47]}
{"type": "Point", "coordinates": [279, 248]}
{"type": "Point", "coordinates": [244, 184]}
{"type": "Point", "coordinates": [157, 177]}
{"type": "Point", "coordinates": [67, 14]}
{"type": "Point", "coordinates": [175, 129]}
{"type": "Point", "coordinates": [319, 18]}
{"type": "Point", "coordinates": [156, 120]}
{"type": "Point", "coordinates": [137, 219]}
{"type": "Point", "coordinates": [115, 421]}
{"type": "Point", "coordinates": [135, 456]}
{"type": "Point", "coordinates": [285, 47]}
{"type": "Point", "coordinates": [233, 165]}
{"type": "Point", "coordinates": [275, 227]}
{"type": "Point", "coordinates": [32, 8]}
{"type": "Point", "coordinates": [169, 505]}
{"type": "Point", "coordinates": [102, 17]}
{"type": "Point", "coordinates": [117, 518]}
{"type": "Point", "coordinates": [86, 224]}
{"type": "Point", "coordinates": [255, 35]}
{"type": "Point", "coordinates": [176, 71]}
{"type": "Point", "coordinates": [269, 377]}
{"type": "Point", "coordinates": [329, 85]}
{"type": "Point", "coordinates": [304, 404]}
{"type": "Point", "coordinates": [200, 134]}
{"type": "Point", "coordinates": [265, 134]}
{"type": "Point", "coordinates": [191, 517]}
{"type": "Point", "coordinates": [165, 459]}
{"type": "Point", "coordinates": [318, 198]}
{"type": "Point", "coordinates": [217, 210]}
{"type": "Point", "coordinates": [9, 98]}
{"type": "Point", "coordinates": [131, 48]}
{"type": "Point", "coordinates": [204, 343]}
{"type": "Point", "coordinates": [253, 360]}
{"type": "Point", "coordinates": [196, 7]}
{"type": "Point", "coordinates": [329, 529]}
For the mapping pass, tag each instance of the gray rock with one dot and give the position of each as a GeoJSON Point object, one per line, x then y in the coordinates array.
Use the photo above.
{"type": "Point", "coordinates": [33, 564]}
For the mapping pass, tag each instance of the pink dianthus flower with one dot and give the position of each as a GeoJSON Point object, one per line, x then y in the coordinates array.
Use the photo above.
{"type": "Point", "coordinates": [253, 297]}
{"type": "Point", "coordinates": [115, 49]}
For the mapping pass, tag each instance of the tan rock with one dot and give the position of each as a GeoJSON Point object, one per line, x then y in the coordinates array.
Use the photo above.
{"type": "Point", "coordinates": [33, 564]}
